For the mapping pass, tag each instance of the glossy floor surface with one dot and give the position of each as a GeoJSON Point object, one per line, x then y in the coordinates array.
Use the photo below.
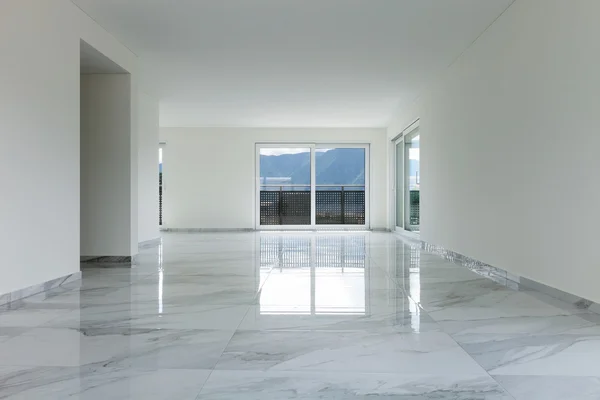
{"type": "Point", "coordinates": [295, 316]}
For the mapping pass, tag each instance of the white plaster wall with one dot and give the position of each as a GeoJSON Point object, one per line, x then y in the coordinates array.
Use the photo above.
{"type": "Point", "coordinates": [209, 173]}
{"type": "Point", "coordinates": [105, 165]}
{"type": "Point", "coordinates": [39, 126]}
{"type": "Point", "coordinates": [509, 146]}
{"type": "Point", "coordinates": [148, 168]}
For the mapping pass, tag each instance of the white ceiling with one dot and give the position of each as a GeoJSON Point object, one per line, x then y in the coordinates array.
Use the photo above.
{"type": "Point", "coordinates": [291, 63]}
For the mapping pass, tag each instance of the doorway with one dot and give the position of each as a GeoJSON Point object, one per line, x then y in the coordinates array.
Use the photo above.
{"type": "Point", "coordinates": [312, 186]}
{"type": "Point", "coordinates": [107, 184]}
{"type": "Point", "coordinates": [408, 180]}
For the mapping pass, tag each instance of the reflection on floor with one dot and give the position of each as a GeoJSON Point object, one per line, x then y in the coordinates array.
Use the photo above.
{"type": "Point", "coordinates": [295, 316]}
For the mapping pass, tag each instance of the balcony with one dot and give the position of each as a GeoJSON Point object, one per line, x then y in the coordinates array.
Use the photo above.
{"type": "Point", "coordinates": [291, 205]}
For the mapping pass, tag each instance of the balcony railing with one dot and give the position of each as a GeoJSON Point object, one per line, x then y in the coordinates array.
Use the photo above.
{"type": "Point", "coordinates": [414, 203]}
{"type": "Point", "coordinates": [291, 205]}
{"type": "Point", "coordinates": [160, 199]}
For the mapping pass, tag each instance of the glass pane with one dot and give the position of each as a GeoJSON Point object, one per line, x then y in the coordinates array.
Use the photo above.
{"type": "Point", "coordinates": [340, 185]}
{"type": "Point", "coordinates": [413, 182]}
{"type": "Point", "coordinates": [400, 184]}
{"type": "Point", "coordinates": [414, 164]}
{"type": "Point", "coordinates": [285, 186]}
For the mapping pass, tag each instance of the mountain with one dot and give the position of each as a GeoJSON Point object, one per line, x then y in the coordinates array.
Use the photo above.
{"type": "Point", "coordinates": [344, 166]}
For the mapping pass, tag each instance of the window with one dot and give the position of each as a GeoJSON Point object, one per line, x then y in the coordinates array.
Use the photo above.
{"type": "Point", "coordinates": [312, 185]}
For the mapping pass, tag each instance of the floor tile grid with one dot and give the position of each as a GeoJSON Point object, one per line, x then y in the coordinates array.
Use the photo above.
{"type": "Point", "coordinates": [407, 294]}
{"type": "Point", "coordinates": [49, 369]}
{"type": "Point", "coordinates": [211, 371]}
{"type": "Point", "coordinates": [103, 273]}
{"type": "Point", "coordinates": [499, 383]}
{"type": "Point", "coordinates": [523, 387]}
{"type": "Point", "coordinates": [224, 349]}
{"type": "Point", "coordinates": [276, 384]}
{"type": "Point", "coordinates": [365, 374]}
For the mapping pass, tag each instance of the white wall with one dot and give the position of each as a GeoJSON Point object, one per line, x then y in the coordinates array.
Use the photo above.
{"type": "Point", "coordinates": [209, 173]}
{"type": "Point", "coordinates": [39, 126]}
{"type": "Point", "coordinates": [148, 168]}
{"type": "Point", "coordinates": [105, 165]}
{"type": "Point", "coordinates": [509, 146]}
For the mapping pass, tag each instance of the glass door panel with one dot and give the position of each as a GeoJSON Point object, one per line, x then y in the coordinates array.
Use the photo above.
{"type": "Point", "coordinates": [400, 184]}
{"type": "Point", "coordinates": [285, 186]}
{"type": "Point", "coordinates": [340, 186]}
{"type": "Point", "coordinates": [412, 182]}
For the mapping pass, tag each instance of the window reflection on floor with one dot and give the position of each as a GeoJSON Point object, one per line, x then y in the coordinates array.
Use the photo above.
{"type": "Point", "coordinates": [313, 275]}
{"type": "Point", "coordinates": [415, 287]}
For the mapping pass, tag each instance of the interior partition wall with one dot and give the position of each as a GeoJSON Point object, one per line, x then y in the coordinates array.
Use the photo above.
{"type": "Point", "coordinates": [312, 186]}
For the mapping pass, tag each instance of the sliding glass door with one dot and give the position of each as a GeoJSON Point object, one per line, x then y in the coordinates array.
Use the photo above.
{"type": "Point", "coordinates": [408, 181]}
{"type": "Point", "coordinates": [311, 186]}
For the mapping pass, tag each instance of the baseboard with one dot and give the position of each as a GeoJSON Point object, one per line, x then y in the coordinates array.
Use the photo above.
{"type": "Point", "coordinates": [200, 230]}
{"type": "Point", "coordinates": [109, 261]}
{"type": "Point", "coordinates": [579, 302]}
{"type": "Point", "coordinates": [412, 237]}
{"type": "Point", "coordinates": [39, 288]}
{"type": "Point", "coordinates": [487, 270]}
{"type": "Point", "coordinates": [349, 228]}
{"type": "Point", "coordinates": [507, 278]}
{"type": "Point", "coordinates": [150, 243]}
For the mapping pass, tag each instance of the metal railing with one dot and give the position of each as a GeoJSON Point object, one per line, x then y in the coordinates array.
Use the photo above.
{"type": "Point", "coordinates": [160, 199]}
{"type": "Point", "coordinates": [334, 205]}
{"type": "Point", "coordinates": [414, 207]}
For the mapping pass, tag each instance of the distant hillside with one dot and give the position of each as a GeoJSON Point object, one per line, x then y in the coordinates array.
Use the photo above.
{"type": "Point", "coordinates": [334, 167]}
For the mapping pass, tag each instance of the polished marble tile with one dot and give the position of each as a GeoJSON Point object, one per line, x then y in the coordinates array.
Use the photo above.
{"type": "Point", "coordinates": [29, 317]}
{"type": "Point", "coordinates": [437, 274]}
{"type": "Point", "coordinates": [559, 354]}
{"type": "Point", "coordinates": [401, 318]}
{"type": "Point", "coordinates": [154, 315]}
{"type": "Point", "coordinates": [199, 281]}
{"type": "Point", "coordinates": [295, 315]}
{"type": "Point", "coordinates": [190, 294]}
{"type": "Point", "coordinates": [276, 385]}
{"type": "Point", "coordinates": [551, 387]}
{"type": "Point", "coordinates": [216, 269]}
{"type": "Point", "coordinates": [9, 333]}
{"type": "Point", "coordinates": [75, 298]}
{"type": "Point", "coordinates": [115, 347]}
{"type": "Point", "coordinates": [51, 383]}
{"type": "Point", "coordinates": [126, 275]}
{"type": "Point", "coordinates": [477, 294]}
{"type": "Point", "coordinates": [424, 353]}
{"type": "Point", "coordinates": [505, 312]}
{"type": "Point", "coordinates": [523, 321]}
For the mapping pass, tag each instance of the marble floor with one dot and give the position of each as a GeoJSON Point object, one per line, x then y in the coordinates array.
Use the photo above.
{"type": "Point", "coordinates": [295, 316]}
